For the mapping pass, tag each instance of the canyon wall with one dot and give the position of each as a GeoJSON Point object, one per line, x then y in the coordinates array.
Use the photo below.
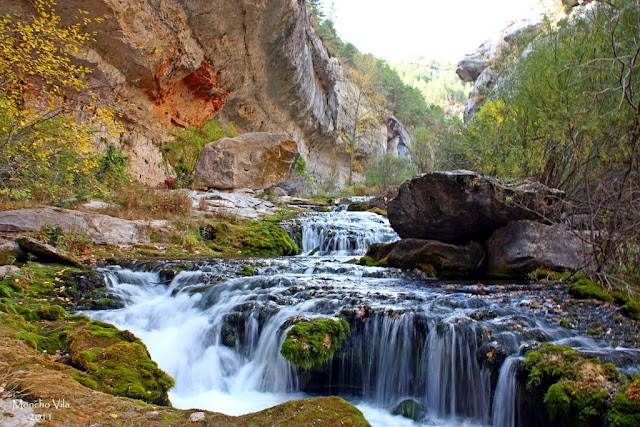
{"type": "Point", "coordinates": [257, 64]}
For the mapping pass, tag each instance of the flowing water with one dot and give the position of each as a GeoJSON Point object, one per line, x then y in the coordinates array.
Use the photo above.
{"type": "Point", "coordinates": [219, 335]}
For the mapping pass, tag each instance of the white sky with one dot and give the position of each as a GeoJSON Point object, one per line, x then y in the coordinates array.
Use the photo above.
{"type": "Point", "coordinates": [440, 29]}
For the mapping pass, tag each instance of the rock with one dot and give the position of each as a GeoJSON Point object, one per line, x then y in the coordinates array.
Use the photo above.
{"type": "Point", "coordinates": [99, 228]}
{"type": "Point", "coordinates": [253, 160]}
{"type": "Point", "coordinates": [462, 206]}
{"type": "Point", "coordinates": [381, 201]}
{"type": "Point", "coordinates": [46, 253]}
{"type": "Point", "coordinates": [233, 203]}
{"type": "Point", "coordinates": [196, 417]}
{"type": "Point", "coordinates": [409, 408]}
{"type": "Point", "coordinates": [9, 251]}
{"type": "Point", "coordinates": [523, 246]}
{"type": "Point", "coordinates": [278, 192]}
{"type": "Point", "coordinates": [97, 205]}
{"type": "Point", "coordinates": [6, 270]}
{"type": "Point", "coordinates": [471, 66]}
{"type": "Point", "coordinates": [430, 256]}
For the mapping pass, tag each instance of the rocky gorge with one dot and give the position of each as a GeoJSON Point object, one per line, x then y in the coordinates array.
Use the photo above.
{"type": "Point", "coordinates": [259, 65]}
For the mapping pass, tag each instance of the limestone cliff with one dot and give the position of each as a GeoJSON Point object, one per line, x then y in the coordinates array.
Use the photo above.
{"type": "Point", "coordinates": [258, 64]}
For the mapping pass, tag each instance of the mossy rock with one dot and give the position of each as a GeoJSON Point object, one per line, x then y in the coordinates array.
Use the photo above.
{"type": "Point", "coordinates": [247, 270]}
{"type": "Point", "coordinates": [368, 261]}
{"type": "Point", "coordinates": [625, 405]}
{"type": "Point", "coordinates": [586, 289]}
{"type": "Point", "coordinates": [310, 345]}
{"type": "Point", "coordinates": [409, 408]}
{"type": "Point", "coordinates": [119, 363]}
{"type": "Point", "coordinates": [574, 390]}
{"type": "Point", "coordinates": [632, 309]}
{"type": "Point", "coordinates": [51, 312]}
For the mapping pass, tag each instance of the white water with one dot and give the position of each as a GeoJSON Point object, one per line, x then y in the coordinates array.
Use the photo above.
{"type": "Point", "coordinates": [221, 341]}
{"type": "Point", "coordinates": [344, 233]}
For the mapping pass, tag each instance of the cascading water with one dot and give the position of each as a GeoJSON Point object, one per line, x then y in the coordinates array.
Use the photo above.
{"type": "Point", "coordinates": [220, 339]}
{"type": "Point", "coordinates": [344, 233]}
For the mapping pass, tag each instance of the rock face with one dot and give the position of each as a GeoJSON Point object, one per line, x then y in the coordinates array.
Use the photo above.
{"type": "Point", "coordinates": [476, 67]}
{"type": "Point", "coordinates": [436, 258]}
{"type": "Point", "coordinates": [462, 206]}
{"type": "Point", "coordinates": [258, 64]}
{"type": "Point", "coordinates": [100, 229]}
{"type": "Point", "coordinates": [523, 246]}
{"type": "Point", "coordinates": [255, 160]}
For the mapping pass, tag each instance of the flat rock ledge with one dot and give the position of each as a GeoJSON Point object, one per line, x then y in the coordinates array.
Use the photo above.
{"type": "Point", "coordinates": [99, 228]}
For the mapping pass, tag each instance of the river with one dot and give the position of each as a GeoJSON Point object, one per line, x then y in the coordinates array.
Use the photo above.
{"type": "Point", "coordinates": [219, 334]}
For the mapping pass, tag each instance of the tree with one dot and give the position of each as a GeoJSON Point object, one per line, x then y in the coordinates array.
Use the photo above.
{"type": "Point", "coordinates": [388, 170]}
{"type": "Point", "coordinates": [362, 110]}
{"type": "Point", "coordinates": [49, 117]}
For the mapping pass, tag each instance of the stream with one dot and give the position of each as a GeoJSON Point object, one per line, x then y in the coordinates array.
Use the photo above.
{"type": "Point", "coordinates": [219, 334]}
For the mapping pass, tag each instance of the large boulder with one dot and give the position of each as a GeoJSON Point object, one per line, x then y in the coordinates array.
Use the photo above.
{"type": "Point", "coordinates": [430, 256]}
{"type": "Point", "coordinates": [523, 246]}
{"type": "Point", "coordinates": [99, 228]}
{"type": "Point", "coordinates": [253, 160]}
{"type": "Point", "coordinates": [461, 206]}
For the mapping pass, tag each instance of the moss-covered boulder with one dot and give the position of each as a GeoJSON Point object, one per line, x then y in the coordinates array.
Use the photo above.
{"type": "Point", "coordinates": [118, 363]}
{"type": "Point", "coordinates": [625, 405]}
{"type": "Point", "coordinates": [574, 390]}
{"type": "Point", "coordinates": [409, 408]}
{"type": "Point", "coordinates": [311, 345]}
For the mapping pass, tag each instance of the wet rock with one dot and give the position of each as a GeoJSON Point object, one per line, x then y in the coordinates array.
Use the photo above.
{"type": "Point", "coordinates": [409, 408]}
{"type": "Point", "coordinates": [461, 206]}
{"type": "Point", "coordinates": [523, 246]}
{"type": "Point", "coordinates": [46, 253]}
{"type": "Point", "coordinates": [381, 200]}
{"type": "Point", "coordinates": [428, 255]}
{"type": "Point", "coordinates": [253, 160]}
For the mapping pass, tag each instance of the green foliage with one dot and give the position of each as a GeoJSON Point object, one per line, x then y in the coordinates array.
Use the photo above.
{"type": "Point", "coordinates": [248, 270]}
{"type": "Point", "coordinates": [566, 114]}
{"type": "Point", "coordinates": [47, 146]}
{"type": "Point", "coordinates": [388, 170]}
{"type": "Point", "coordinates": [312, 345]}
{"type": "Point", "coordinates": [183, 152]}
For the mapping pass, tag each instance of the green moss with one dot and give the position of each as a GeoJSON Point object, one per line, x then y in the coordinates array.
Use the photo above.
{"type": "Point", "coordinates": [106, 302]}
{"type": "Point", "coordinates": [586, 289]}
{"type": "Point", "coordinates": [574, 390]}
{"type": "Point", "coordinates": [409, 408]}
{"type": "Point", "coordinates": [247, 270]}
{"type": "Point", "coordinates": [312, 345]}
{"type": "Point", "coordinates": [368, 261]}
{"type": "Point", "coordinates": [324, 209]}
{"type": "Point", "coordinates": [632, 309]}
{"type": "Point", "coordinates": [51, 312]}
{"type": "Point", "coordinates": [119, 363]}
{"type": "Point", "coordinates": [625, 405]}
{"type": "Point", "coordinates": [544, 274]}
{"type": "Point", "coordinates": [265, 239]}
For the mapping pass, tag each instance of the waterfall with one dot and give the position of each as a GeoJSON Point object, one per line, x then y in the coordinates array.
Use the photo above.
{"type": "Point", "coordinates": [219, 335]}
{"type": "Point", "coordinates": [504, 402]}
{"type": "Point", "coordinates": [344, 233]}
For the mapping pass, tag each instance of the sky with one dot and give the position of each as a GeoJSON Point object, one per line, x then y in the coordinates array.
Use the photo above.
{"type": "Point", "coordinates": [440, 29]}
